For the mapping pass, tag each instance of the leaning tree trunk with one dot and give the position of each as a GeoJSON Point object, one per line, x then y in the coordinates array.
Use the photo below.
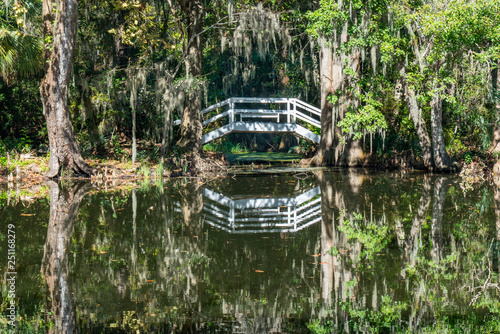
{"type": "Point", "coordinates": [64, 152]}
{"type": "Point", "coordinates": [442, 160]}
{"type": "Point", "coordinates": [191, 126]}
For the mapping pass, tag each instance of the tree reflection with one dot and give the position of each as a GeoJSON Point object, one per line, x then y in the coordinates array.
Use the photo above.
{"type": "Point", "coordinates": [394, 252]}
{"type": "Point", "coordinates": [413, 242]}
{"type": "Point", "coordinates": [338, 257]}
{"type": "Point", "coordinates": [440, 191]}
{"type": "Point", "coordinates": [366, 229]}
{"type": "Point", "coordinates": [64, 204]}
{"type": "Point", "coordinates": [496, 180]}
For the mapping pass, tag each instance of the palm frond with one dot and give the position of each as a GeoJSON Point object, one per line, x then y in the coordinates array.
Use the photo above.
{"type": "Point", "coordinates": [20, 54]}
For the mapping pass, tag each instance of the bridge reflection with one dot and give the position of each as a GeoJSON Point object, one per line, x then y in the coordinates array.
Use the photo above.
{"type": "Point", "coordinates": [261, 214]}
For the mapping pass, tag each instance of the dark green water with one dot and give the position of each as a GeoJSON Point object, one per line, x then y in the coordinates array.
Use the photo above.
{"type": "Point", "coordinates": [318, 252]}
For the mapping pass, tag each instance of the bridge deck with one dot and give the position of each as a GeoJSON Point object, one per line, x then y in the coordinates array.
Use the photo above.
{"type": "Point", "coordinates": [261, 127]}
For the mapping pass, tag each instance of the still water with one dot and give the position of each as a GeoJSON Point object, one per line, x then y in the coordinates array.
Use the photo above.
{"type": "Point", "coordinates": [313, 252]}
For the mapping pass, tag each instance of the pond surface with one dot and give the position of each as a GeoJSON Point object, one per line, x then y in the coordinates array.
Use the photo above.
{"type": "Point", "coordinates": [320, 252]}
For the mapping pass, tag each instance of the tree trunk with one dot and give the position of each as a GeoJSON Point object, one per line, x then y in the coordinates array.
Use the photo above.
{"type": "Point", "coordinates": [64, 206]}
{"type": "Point", "coordinates": [496, 180]}
{"type": "Point", "coordinates": [442, 161]}
{"type": "Point", "coordinates": [191, 125]}
{"type": "Point", "coordinates": [64, 152]}
{"type": "Point", "coordinates": [495, 150]}
{"type": "Point", "coordinates": [351, 152]}
{"type": "Point", "coordinates": [418, 121]}
{"type": "Point", "coordinates": [332, 62]}
{"type": "Point", "coordinates": [166, 136]}
{"type": "Point", "coordinates": [134, 138]}
{"type": "Point", "coordinates": [325, 155]}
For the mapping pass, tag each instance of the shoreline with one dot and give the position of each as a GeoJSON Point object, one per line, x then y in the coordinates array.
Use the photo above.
{"type": "Point", "coordinates": [30, 170]}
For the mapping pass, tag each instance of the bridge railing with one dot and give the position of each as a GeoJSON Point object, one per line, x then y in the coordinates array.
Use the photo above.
{"type": "Point", "coordinates": [279, 110]}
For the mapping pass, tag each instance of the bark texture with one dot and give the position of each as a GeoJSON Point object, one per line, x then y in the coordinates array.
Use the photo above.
{"type": "Point", "coordinates": [418, 121]}
{"type": "Point", "coordinates": [191, 125]}
{"type": "Point", "coordinates": [334, 81]}
{"type": "Point", "coordinates": [442, 161]}
{"type": "Point", "coordinates": [64, 206]}
{"type": "Point", "coordinates": [326, 149]}
{"type": "Point", "coordinates": [64, 152]}
{"type": "Point", "coordinates": [332, 61]}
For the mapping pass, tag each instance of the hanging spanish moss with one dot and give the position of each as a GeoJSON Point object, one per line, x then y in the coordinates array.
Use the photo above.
{"type": "Point", "coordinates": [135, 82]}
{"type": "Point", "coordinates": [257, 30]}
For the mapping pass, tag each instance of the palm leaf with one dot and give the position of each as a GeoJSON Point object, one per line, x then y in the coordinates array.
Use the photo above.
{"type": "Point", "coordinates": [20, 54]}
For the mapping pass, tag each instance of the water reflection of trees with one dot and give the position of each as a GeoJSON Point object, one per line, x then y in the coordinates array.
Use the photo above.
{"type": "Point", "coordinates": [396, 251]}
{"type": "Point", "coordinates": [60, 308]}
{"type": "Point", "coordinates": [183, 272]}
{"type": "Point", "coordinates": [444, 247]}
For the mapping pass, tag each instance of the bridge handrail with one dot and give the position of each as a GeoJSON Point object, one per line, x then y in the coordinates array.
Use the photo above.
{"type": "Point", "coordinates": [215, 106]}
{"type": "Point", "coordinates": [295, 109]}
{"type": "Point", "coordinates": [216, 117]}
{"type": "Point", "coordinates": [308, 119]}
{"type": "Point", "coordinates": [257, 111]}
{"type": "Point", "coordinates": [246, 100]}
{"type": "Point", "coordinates": [307, 106]}
{"type": "Point", "coordinates": [260, 99]}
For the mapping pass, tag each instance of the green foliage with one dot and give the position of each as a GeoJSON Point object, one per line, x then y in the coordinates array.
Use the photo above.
{"type": "Point", "coordinates": [225, 146]}
{"type": "Point", "coordinates": [383, 320]}
{"type": "Point", "coordinates": [144, 171]}
{"type": "Point", "coordinates": [368, 118]}
{"type": "Point", "coordinates": [3, 148]}
{"type": "Point", "coordinates": [390, 46]}
{"type": "Point", "coordinates": [20, 43]}
{"type": "Point", "coordinates": [22, 124]}
{"type": "Point", "coordinates": [372, 235]}
{"type": "Point", "coordinates": [318, 327]}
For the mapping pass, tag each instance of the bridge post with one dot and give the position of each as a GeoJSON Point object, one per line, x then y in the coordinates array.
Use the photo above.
{"type": "Point", "coordinates": [295, 216]}
{"type": "Point", "coordinates": [288, 111]}
{"type": "Point", "coordinates": [231, 111]}
{"type": "Point", "coordinates": [294, 111]}
{"type": "Point", "coordinates": [231, 215]}
{"type": "Point", "coordinates": [288, 213]}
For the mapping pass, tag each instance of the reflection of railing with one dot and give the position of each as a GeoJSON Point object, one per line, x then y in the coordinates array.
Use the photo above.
{"type": "Point", "coordinates": [256, 215]}
{"type": "Point", "coordinates": [249, 118]}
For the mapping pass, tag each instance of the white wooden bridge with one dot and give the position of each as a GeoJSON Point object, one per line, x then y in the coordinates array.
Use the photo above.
{"type": "Point", "coordinates": [261, 115]}
{"type": "Point", "coordinates": [262, 215]}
